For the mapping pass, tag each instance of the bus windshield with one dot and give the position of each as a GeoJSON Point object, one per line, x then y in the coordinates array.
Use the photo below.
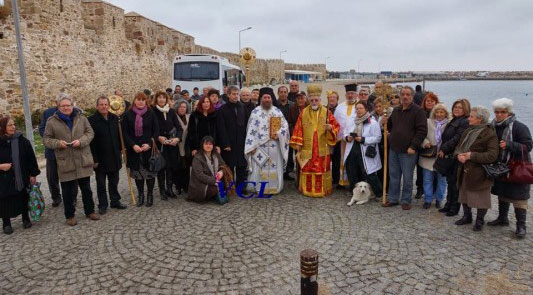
{"type": "Point", "coordinates": [196, 71]}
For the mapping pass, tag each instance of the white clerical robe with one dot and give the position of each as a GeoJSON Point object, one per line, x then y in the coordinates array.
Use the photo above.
{"type": "Point", "coordinates": [267, 158]}
{"type": "Point", "coordinates": [344, 114]}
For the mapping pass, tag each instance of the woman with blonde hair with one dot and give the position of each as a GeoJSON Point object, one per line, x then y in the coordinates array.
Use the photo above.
{"type": "Point", "coordinates": [437, 121]}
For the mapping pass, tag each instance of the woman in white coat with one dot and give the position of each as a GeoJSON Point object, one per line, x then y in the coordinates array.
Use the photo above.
{"type": "Point", "coordinates": [361, 156]}
{"type": "Point", "coordinates": [438, 119]}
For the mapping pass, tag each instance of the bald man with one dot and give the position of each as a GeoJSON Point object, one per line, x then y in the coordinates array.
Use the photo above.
{"type": "Point", "coordinates": [294, 88]}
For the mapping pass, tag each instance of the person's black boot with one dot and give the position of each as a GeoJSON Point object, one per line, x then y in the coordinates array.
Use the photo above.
{"type": "Point", "coordinates": [503, 211]}
{"type": "Point", "coordinates": [467, 216]}
{"type": "Point", "coordinates": [170, 191]}
{"type": "Point", "coordinates": [445, 208]}
{"type": "Point", "coordinates": [521, 215]}
{"type": "Point", "coordinates": [150, 193]}
{"type": "Point", "coordinates": [26, 222]}
{"type": "Point", "coordinates": [453, 210]}
{"type": "Point", "coordinates": [163, 193]}
{"type": "Point", "coordinates": [287, 176]}
{"type": "Point", "coordinates": [56, 202]}
{"type": "Point", "coordinates": [140, 189]}
{"type": "Point", "coordinates": [6, 226]}
{"type": "Point", "coordinates": [161, 182]}
{"type": "Point", "coordinates": [480, 220]}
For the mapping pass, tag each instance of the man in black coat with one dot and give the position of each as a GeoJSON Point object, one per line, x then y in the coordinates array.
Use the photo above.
{"type": "Point", "coordinates": [232, 119]}
{"type": "Point", "coordinates": [105, 149]}
{"type": "Point", "coordinates": [51, 163]}
{"type": "Point", "coordinates": [284, 104]}
{"type": "Point", "coordinates": [419, 95]}
{"type": "Point", "coordinates": [294, 89]}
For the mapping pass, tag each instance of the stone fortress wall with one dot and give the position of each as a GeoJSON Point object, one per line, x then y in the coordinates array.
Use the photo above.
{"type": "Point", "coordinates": [90, 47]}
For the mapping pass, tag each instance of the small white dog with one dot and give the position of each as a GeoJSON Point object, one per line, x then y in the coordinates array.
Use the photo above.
{"type": "Point", "coordinates": [361, 193]}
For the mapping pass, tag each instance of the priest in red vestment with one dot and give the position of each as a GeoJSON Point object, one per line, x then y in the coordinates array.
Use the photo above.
{"type": "Point", "coordinates": [314, 133]}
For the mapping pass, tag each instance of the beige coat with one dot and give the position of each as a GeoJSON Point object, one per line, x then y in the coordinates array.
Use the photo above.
{"type": "Point", "coordinates": [427, 163]}
{"type": "Point", "coordinates": [72, 163]}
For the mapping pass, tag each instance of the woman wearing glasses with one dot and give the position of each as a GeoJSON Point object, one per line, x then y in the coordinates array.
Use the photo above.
{"type": "Point", "coordinates": [515, 143]}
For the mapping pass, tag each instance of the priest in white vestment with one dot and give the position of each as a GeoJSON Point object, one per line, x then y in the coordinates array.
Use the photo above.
{"type": "Point", "coordinates": [345, 115]}
{"type": "Point", "coordinates": [267, 145]}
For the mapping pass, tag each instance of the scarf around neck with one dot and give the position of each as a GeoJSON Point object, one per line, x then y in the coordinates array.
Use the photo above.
{"type": "Point", "coordinates": [471, 134]}
{"type": "Point", "coordinates": [163, 110]}
{"type": "Point", "coordinates": [212, 163]}
{"type": "Point", "coordinates": [15, 157]}
{"type": "Point", "coordinates": [69, 120]}
{"type": "Point", "coordinates": [507, 134]}
{"type": "Point", "coordinates": [359, 121]}
{"type": "Point", "coordinates": [439, 127]}
{"type": "Point", "coordinates": [139, 119]}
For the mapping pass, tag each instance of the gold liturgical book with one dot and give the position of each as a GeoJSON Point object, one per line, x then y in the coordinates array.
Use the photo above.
{"type": "Point", "coordinates": [275, 125]}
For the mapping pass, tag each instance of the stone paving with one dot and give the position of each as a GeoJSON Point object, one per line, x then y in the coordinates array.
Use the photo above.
{"type": "Point", "coordinates": [252, 246]}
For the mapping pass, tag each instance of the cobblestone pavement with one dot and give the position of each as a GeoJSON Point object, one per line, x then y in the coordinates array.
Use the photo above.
{"type": "Point", "coordinates": [252, 246]}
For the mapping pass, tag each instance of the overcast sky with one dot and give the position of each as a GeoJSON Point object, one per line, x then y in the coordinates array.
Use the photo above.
{"type": "Point", "coordinates": [395, 35]}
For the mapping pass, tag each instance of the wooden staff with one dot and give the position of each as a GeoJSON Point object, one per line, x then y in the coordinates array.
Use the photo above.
{"type": "Point", "coordinates": [117, 106]}
{"type": "Point", "coordinates": [123, 150]}
{"type": "Point", "coordinates": [385, 159]}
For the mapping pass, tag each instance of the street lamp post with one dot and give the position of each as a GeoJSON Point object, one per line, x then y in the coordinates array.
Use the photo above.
{"type": "Point", "coordinates": [20, 51]}
{"type": "Point", "coordinates": [283, 51]}
{"type": "Point", "coordinates": [246, 29]}
{"type": "Point", "coordinates": [326, 66]}
{"type": "Point", "coordinates": [283, 67]}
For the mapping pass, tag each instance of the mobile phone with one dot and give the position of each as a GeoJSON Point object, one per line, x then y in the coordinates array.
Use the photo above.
{"type": "Point", "coordinates": [69, 144]}
{"type": "Point", "coordinates": [353, 134]}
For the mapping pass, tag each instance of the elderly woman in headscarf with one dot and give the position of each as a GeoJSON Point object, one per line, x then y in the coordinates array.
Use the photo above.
{"type": "Point", "coordinates": [478, 146]}
{"type": "Point", "coordinates": [18, 169]}
{"type": "Point", "coordinates": [515, 143]}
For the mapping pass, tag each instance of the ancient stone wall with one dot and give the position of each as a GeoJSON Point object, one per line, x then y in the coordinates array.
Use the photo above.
{"type": "Point", "coordinates": [91, 47]}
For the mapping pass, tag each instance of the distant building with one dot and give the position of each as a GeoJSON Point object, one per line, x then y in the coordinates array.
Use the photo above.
{"type": "Point", "coordinates": [304, 76]}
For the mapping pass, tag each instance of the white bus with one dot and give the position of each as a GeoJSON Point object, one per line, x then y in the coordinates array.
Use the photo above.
{"type": "Point", "coordinates": [203, 70]}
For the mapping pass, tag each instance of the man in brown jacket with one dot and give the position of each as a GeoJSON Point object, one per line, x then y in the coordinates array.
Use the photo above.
{"type": "Point", "coordinates": [69, 134]}
{"type": "Point", "coordinates": [408, 129]}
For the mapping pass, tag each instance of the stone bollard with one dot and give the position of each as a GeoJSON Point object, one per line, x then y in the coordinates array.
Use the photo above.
{"type": "Point", "coordinates": [309, 272]}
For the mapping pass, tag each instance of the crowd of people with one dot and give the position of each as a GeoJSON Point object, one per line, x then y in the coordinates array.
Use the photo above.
{"type": "Point", "coordinates": [192, 143]}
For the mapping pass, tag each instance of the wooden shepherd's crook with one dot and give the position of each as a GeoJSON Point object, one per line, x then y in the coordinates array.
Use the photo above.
{"type": "Point", "coordinates": [123, 150]}
{"type": "Point", "coordinates": [385, 160]}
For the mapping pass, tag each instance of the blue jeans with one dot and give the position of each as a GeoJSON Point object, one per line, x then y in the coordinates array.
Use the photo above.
{"type": "Point", "coordinates": [401, 165]}
{"type": "Point", "coordinates": [440, 190]}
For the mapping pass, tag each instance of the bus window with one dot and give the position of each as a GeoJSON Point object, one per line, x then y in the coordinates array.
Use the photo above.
{"type": "Point", "coordinates": [196, 71]}
{"type": "Point", "coordinates": [232, 77]}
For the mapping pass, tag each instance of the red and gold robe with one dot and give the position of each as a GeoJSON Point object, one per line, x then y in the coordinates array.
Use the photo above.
{"type": "Point", "coordinates": [314, 141]}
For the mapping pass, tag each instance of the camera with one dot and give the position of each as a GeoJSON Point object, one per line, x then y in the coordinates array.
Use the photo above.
{"type": "Point", "coordinates": [353, 134]}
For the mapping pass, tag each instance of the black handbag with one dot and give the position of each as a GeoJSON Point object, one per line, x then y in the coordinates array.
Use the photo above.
{"type": "Point", "coordinates": [429, 152]}
{"type": "Point", "coordinates": [444, 165]}
{"type": "Point", "coordinates": [156, 162]}
{"type": "Point", "coordinates": [496, 170]}
{"type": "Point", "coordinates": [371, 151]}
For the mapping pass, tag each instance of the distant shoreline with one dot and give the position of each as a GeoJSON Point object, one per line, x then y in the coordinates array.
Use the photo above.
{"type": "Point", "coordinates": [419, 79]}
